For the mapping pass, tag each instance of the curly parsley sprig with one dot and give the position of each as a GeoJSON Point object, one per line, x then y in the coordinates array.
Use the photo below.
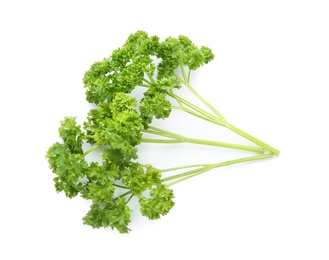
{"type": "Point", "coordinates": [119, 124]}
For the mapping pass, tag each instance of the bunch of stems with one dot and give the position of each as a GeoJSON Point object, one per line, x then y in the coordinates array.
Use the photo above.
{"type": "Point", "coordinates": [262, 149]}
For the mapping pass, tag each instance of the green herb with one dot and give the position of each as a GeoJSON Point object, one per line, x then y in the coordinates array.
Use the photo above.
{"type": "Point", "coordinates": [119, 123]}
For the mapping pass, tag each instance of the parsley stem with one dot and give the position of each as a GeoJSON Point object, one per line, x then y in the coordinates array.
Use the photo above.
{"type": "Point", "coordinates": [124, 194]}
{"type": "Point", "coordinates": [129, 198]}
{"type": "Point", "coordinates": [184, 167]}
{"type": "Point", "coordinates": [184, 109]}
{"type": "Point", "coordinates": [205, 142]}
{"type": "Point", "coordinates": [120, 186]}
{"type": "Point", "coordinates": [180, 79]}
{"type": "Point", "coordinates": [195, 173]}
{"type": "Point", "coordinates": [186, 83]}
{"type": "Point", "coordinates": [150, 77]}
{"type": "Point", "coordinates": [160, 141]}
{"type": "Point", "coordinates": [147, 81]}
{"type": "Point", "coordinates": [189, 174]}
{"type": "Point", "coordinates": [181, 175]}
{"type": "Point", "coordinates": [189, 76]}
{"type": "Point", "coordinates": [210, 117]}
{"type": "Point", "coordinates": [164, 134]}
{"type": "Point", "coordinates": [251, 138]}
{"type": "Point", "coordinates": [182, 139]}
{"type": "Point", "coordinates": [226, 145]}
{"type": "Point", "coordinates": [91, 149]}
{"type": "Point", "coordinates": [222, 122]}
{"type": "Point", "coordinates": [183, 72]}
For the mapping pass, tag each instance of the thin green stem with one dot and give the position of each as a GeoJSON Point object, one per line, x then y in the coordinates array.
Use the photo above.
{"type": "Point", "coordinates": [178, 101]}
{"type": "Point", "coordinates": [180, 79]}
{"type": "Point", "coordinates": [205, 142]}
{"type": "Point", "coordinates": [91, 149]}
{"type": "Point", "coordinates": [147, 81]}
{"type": "Point", "coordinates": [184, 109]}
{"type": "Point", "coordinates": [183, 72]}
{"type": "Point", "coordinates": [190, 105]}
{"type": "Point", "coordinates": [189, 76]}
{"type": "Point", "coordinates": [225, 145]}
{"type": "Point", "coordinates": [204, 101]}
{"type": "Point", "coordinates": [132, 195]}
{"type": "Point", "coordinates": [203, 170]}
{"type": "Point", "coordinates": [150, 77]}
{"type": "Point", "coordinates": [199, 115]}
{"type": "Point", "coordinates": [177, 108]}
{"type": "Point", "coordinates": [123, 194]}
{"type": "Point", "coordinates": [180, 175]}
{"type": "Point", "coordinates": [184, 167]}
{"type": "Point", "coordinates": [120, 186]}
{"type": "Point", "coordinates": [182, 139]}
{"type": "Point", "coordinates": [253, 139]}
{"type": "Point", "coordinates": [183, 176]}
{"type": "Point", "coordinates": [168, 133]}
{"type": "Point", "coordinates": [164, 134]}
{"type": "Point", "coordinates": [212, 118]}
{"type": "Point", "coordinates": [160, 141]}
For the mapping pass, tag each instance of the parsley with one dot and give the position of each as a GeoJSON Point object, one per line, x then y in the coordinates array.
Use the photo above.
{"type": "Point", "coordinates": [118, 123]}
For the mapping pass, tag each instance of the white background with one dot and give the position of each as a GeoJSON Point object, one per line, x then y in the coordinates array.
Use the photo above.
{"type": "Point", "coordinates": [269, 78]}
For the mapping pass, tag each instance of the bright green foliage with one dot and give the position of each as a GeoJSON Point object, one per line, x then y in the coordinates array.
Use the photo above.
{"type": "Point", "coordinates": [160, 202]}
{"type": "Point", "coordinates": [123, 103]}
{"type": "Point", "coordinates": [68, 167]}
{"type": "Point", "coordinates": [181, 51]}
{"type": "Point", "coordinates": [117, 124]}
{"type": "Point", "coordinates": [165, 85]}
{"type": "Point", "coordinates": [116, 160]}
{"type": "Point", "coordinates": [114, 128]}
{"type": "Point", "coordinates": [123, 70]}
{"type": "Point", "coordinates": [192, 56]}
{"type": "Point", "coordinates": [71, 134]}
{"type": "Point", "coordinates": [138, 178]}
{"type": "Point", "coordinates": [114, 214]}
{"type": "Point", "coordinates": [95, 117]}
{"type": "Point", "coordinates": [100, 188]}
{"type": "Point", "coordinates": [154, 105]}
